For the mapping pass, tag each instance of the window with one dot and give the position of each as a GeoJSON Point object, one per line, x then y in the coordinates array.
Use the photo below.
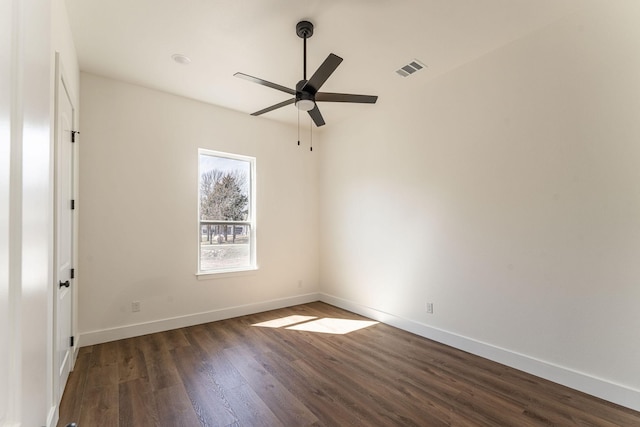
{"type": "Point", "coordinates": [226, 212]}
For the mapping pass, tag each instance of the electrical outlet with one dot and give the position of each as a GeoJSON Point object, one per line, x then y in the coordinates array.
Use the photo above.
{"type": "Point", "coordinates": [299, 283]}
{"type": "Point", "coordinates": [430, 308]}
{"type": "Point", "coordinates": [135, 306]}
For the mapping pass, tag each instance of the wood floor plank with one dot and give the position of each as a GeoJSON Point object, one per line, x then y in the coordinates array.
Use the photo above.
{"type": "Point", "coordinates": [207, 398]}
{"type": "Point", "coordinates": [174, 407]}
{"type": "Point", "coordinates": [222, 370]}
{"type": "Point", "coordinates": [71, 403]}
{"type": "Point", "coordinates": [174, 338]}
{"type": "Point", "coordinates": [104, 354]}
{"type": "Point", "coordinates": [131, 361]}
{"type": "Point", "coordinates": [337, 364]}
{"type": "Point", "coordinates": [201, 336]}
{"type": "Point", "coordinates": [374, 366]}
{"type": "Point", "coordinates": [103, 366]}
{"type": "Point", "coordinates": [323, 397]}
{"type": "Point", "coordinates": [284, 405]}
{"type": "Point", "coordinates": [100, 406]}
{"type": "Point", "coordinates": [451, 371]}
{"type": "Point", "coordinates": [137, 404]}
{"type": "Point", "coordinates": [250, 408]}
{"type": "Point", "coordinates": [391, 403]}
{"type": "Point", "coordinates": [234, 373]}
{"type": "Point", "coordinates": [443, 390]}
{"type": "Point", "coordinates": [328, 399]}
{"type": "Point", "coordinates": [161, 370]}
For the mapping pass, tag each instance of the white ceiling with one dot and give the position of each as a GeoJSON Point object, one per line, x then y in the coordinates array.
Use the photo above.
{"type": "Point", "coordinates": [133, 40]}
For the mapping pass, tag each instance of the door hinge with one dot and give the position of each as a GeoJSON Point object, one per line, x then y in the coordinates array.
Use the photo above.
{"type": "Point", "coordinates": [73, 135]}
{"type": "Point", "coordinates": [70, 341]}
{"type": "Point", "coordinates": [73, 204]}
{"type": "Point", "coordinates": [73, 273]}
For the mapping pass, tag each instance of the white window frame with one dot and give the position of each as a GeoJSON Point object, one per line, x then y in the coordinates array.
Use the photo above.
{"type": "Point", "coordinates": [251, 220]}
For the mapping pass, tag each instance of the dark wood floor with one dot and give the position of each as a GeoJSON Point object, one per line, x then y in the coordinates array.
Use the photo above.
{"type": "Point", "coordinates": [230, 373]}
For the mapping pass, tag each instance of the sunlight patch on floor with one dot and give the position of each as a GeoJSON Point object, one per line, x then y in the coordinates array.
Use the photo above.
{"type": "Point", "coordinates": [333, 326]}
{"type": "Point", "coordinates": [327, 325]}
{"type": "Point", "coordinates": [284, 321]}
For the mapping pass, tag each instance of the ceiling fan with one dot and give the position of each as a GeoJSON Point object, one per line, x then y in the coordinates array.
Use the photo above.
{"type": "Point", "coordinates": [306, 94]}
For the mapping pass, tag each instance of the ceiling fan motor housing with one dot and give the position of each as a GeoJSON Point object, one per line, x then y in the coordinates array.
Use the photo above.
{"type": "Point", "coordinates": [305, 99]}
{"type": "Point", "coordinates": [300, 87]}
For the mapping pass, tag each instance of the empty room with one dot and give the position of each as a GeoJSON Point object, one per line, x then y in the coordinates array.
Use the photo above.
{"type": "Point", "coordinates": [329, 213]}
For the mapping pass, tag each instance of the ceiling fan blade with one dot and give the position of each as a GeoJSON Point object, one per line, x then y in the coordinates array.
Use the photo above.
{"type": "Point", "coordinates": [323, 72]}
{"type": "Point", "coordinates": [265, 83]}
{"type": "Point", "coordinates": [345, 97]}
{"type": "Point", "coordinates": [316, 116]}
{"type": "Point", "coordinates": [274, 107]}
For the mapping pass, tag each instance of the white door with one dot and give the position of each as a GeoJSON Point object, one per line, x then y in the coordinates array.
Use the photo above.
{"type": "Point", "coordinates": [64, 183]}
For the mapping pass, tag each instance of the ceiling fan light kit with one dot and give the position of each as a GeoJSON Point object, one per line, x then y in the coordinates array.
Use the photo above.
{"type": "Point", "coordinates": [304, 100]}
{"type": "Point", "coordinates": [305, 104]}
{"type": "Point", "coordinates": [307, 95]}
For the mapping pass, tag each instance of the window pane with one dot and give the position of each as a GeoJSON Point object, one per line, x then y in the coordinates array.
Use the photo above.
{"type": "Point", "coordinates": [224, 188]}
{"type": "Point", "coordinates": [220, 250]}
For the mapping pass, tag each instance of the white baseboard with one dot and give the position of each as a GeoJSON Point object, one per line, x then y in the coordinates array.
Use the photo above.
{"type": "Point", "coordinates": [129, 331]}
{"type": "Point", "coordinates": [585, 383]}
{"type": "Point", "coordinates": [74, 352]}
{"type": "Point", "coordinates": [52, 417]}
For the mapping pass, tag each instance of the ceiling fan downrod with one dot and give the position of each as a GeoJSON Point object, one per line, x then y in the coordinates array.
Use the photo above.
{"type": "Point", "coordinates": [304, 30]}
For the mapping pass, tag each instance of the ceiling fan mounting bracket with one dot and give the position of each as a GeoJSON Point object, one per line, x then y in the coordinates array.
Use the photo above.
{"type": "Point", "coordinates": [304, 29]}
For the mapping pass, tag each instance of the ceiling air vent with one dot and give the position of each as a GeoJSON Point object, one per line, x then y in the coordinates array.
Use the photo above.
{"type": "Point", "coordinates": [410, 68]}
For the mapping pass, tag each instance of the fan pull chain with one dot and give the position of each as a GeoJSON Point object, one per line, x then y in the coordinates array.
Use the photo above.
{"type": "Point", "coordinates": [310, 135]}
{"type": "Point", "coordinates": [298, 127]}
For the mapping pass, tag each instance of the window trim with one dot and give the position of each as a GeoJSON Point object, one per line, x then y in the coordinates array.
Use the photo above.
{"type": "Point", "coordinates": [253, 266]}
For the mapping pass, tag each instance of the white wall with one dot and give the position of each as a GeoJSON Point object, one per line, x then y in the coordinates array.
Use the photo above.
{"type": "Point", "coordinates": [138, 201]}
{"type": "Point", "coordinates": [31, 30]}
{"type": "Point", "coordinates": [25, 211]}
{"type": "Point", "coordinates": [6, 32]}
{"type": "Point", "coordinates": [506, 193]}
{"type": "Point", "coordinates": [30, 214]}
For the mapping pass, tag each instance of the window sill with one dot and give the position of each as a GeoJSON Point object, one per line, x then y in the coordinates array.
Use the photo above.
{"type": "Point", "coordinates": [223, 274]}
